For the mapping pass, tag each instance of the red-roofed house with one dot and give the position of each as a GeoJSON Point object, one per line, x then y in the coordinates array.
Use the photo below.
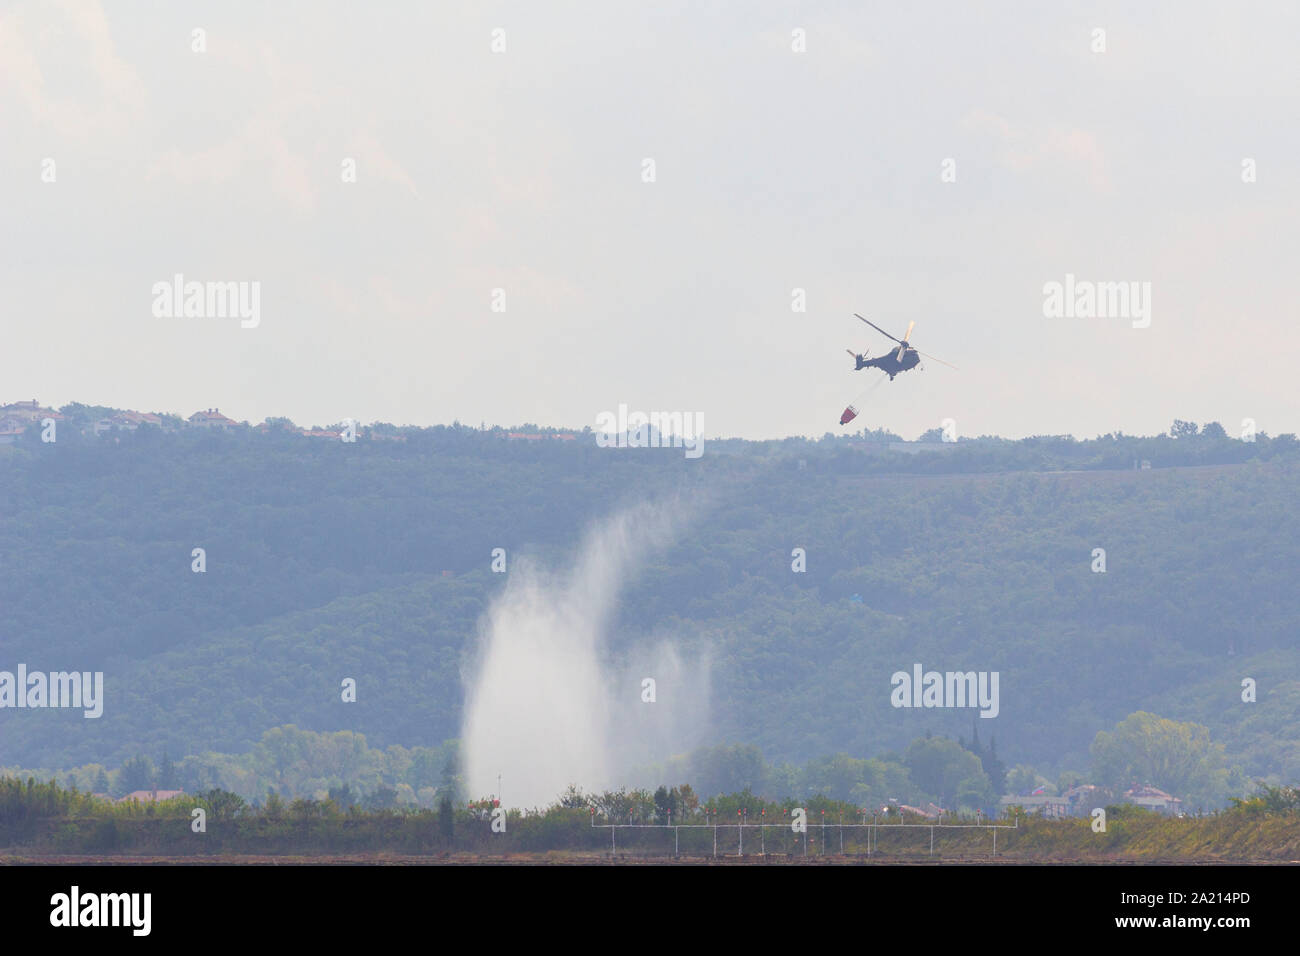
{"type": "Point", "coordinates": [28, 412]}
{"type": "Point", "coordinates": [1153, 799]}
{"type": "Point", "coordinates": [132, 420]}
{"type": "Point", "coordinates": [212, 418]}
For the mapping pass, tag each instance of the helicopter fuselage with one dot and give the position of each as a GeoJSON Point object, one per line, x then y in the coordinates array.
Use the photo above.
{"type": "Point", "coordinates": [890, 363]}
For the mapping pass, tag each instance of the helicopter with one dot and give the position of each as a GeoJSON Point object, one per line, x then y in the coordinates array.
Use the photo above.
{"type": "Point", "coordinates": [893, 362]}
{"type": "Point", "coordinates": [902, 359]}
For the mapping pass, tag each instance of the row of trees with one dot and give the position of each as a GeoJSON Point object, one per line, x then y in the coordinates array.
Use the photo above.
{"type": "Point", "coordinates": [1145, 749]}
{"type": "Point", "coordinates": [43, 818]}
{"type": "Point", "coordinates": [289, 763]}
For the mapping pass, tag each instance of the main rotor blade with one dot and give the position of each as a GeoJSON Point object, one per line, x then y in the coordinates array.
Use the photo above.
{"type": "Point", "coordinates": [939, 360]}
{"type": "Point", "coordinates": [901, 350]}
{"type": "Point", "coordinates": [878, 328]}
{"type": "Point", "coordinates": [908, 336]}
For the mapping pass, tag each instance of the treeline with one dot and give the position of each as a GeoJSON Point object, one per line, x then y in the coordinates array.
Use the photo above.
{"type": "Point", "coordinates": [42, 818]}
{"type": "Point", "coordinates": [960, 775]}
{"type": "Point", "coordinates": [288, 762]}
{"type": "Point", "coordinates": [291, 763]}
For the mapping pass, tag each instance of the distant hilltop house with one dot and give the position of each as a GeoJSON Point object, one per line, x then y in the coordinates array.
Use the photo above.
{"type": "Point", "coordinates": [25, 413]}
{"type": "Point", "coordinates": [151, 796]}
{"type": "Point", "coordinates": [1080, 801]}
{"type": "Point", "coordinates": [1084, 797]}
{"type": "Point", "coordinates": [134, 420]}
{"type": "Point", "coordinates": [128, 421]}
{"type": "Point", "coordinates": [1076, 802]}
{"type": "Point", "coordinates": [1041, 804]}
{"type": "Point", "coordinates": [1153, 799]}
{"type": "Point", "coordinates": [28, 412]}
{"type": "Point", "coordinates": [17, 417]}
{"type": "Point", "coordinates": [212, 418]}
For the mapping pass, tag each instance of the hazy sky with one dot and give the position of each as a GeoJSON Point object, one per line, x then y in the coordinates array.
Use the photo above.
{"type": "Point", "coordinates": [774, 170]}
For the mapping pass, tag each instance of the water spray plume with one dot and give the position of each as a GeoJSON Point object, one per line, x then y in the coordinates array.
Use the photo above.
{"type": "Point", "coordinates": [541, 705]}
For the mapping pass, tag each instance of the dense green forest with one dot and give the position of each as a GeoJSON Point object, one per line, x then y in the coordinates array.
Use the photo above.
{"type": "Point", "coordinates": [327, 560]}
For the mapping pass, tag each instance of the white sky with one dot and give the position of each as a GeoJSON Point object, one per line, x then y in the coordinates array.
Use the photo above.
{"type": "Point", "coordinates": [775, 170]}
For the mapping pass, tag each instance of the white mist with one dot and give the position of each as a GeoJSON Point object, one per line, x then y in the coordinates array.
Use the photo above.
{"type": "Point", "coordinates": [543, 707]}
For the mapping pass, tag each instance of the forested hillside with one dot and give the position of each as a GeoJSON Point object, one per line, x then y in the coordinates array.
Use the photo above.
{"type": "Point", "coordinates": [327, 560]}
